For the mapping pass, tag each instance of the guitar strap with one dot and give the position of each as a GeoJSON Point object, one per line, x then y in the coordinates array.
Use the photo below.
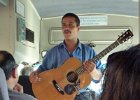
{"type": "Point", "coordinates": [83, 52]}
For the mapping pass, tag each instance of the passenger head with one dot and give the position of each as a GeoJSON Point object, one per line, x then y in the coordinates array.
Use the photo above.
{"type": "Point", "coordinates": [26, 71]}
{"type": "Point", "coordinates": [122, 75]}
{"type": "Point", "coordinates": [7, 63]}
{"type": "Point", "coordinates": [70, 26]}
{"type": "Point", "coordinates": [9, 66]}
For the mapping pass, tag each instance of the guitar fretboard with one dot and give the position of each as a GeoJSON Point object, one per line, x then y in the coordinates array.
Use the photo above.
{"type": "Point", "coordinates": [81, 69]}
{"type": "Point", "coordinates": [105, 51]}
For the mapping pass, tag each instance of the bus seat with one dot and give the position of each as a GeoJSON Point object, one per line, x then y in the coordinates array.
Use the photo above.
{"type": "Point", "coordinates": [3, 86]}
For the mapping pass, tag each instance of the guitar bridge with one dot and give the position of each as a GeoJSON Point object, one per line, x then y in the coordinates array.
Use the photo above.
{"type": "Point", "coordinates": [58, 88]}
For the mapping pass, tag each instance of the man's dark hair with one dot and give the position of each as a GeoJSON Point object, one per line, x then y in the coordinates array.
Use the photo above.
{"type": "Point", "coordinates": [77, 20]}
{"type": "Point", "coordinates": [7, 63]}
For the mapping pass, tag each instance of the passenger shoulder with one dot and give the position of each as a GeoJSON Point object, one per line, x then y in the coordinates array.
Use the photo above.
{"type": "Point", "coordinates": [13, 95]}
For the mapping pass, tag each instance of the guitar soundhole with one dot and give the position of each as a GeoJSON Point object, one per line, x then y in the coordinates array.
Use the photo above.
{"type": "Point", "coordinates": [72, 77]}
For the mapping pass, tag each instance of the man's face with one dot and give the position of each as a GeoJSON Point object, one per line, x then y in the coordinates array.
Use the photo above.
{"type": "Point", "coordinates": [70, 28]}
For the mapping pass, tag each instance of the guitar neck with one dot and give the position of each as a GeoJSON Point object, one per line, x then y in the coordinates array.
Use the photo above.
{"type": "Point", "coordinates": [105, 51]}
{"type": "Point", "coordinates": [81, 69]}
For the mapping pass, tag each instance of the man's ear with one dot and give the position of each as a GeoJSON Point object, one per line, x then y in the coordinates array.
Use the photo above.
{"type": "Point", "coordinates": [14, 73]}
{"type": "Point", "coordinates": [78, 28]}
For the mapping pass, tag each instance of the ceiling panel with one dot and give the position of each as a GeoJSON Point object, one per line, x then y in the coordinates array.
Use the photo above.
{"type": "Point", "coordinates": [53, 8]}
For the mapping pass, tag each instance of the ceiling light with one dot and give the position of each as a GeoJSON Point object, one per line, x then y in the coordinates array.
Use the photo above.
{"type": "Point", "coordinates": [135, 0]}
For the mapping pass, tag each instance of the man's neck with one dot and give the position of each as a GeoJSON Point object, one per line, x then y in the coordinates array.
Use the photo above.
{"type": "Point", "coordinates": [71, 44]}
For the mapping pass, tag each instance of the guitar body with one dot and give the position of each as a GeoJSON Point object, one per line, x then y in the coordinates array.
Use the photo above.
{"type": "Point", "coordinates": [45, 89]}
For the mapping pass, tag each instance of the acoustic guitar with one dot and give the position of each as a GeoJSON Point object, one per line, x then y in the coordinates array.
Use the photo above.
{"type": "Point", "coordinates": [64, 82]}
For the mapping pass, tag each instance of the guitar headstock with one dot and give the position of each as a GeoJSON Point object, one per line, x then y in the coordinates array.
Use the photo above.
{"type": "Point", "coordinates": [125, 36]}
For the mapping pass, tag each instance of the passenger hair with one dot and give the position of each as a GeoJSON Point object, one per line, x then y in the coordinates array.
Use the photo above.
{"type": "Point", "coordinates": [122, 75]}
{"type": "Point", "coordinates": [26, 70]}
{"type": "Point", "coordinates": [7, 63]}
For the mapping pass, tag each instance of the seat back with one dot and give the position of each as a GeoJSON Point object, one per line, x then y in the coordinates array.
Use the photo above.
{"type": "Point", "coordinates": [3, 86]}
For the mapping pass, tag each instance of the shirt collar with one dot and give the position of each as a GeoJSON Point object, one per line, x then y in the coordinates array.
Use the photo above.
{"type": "Point", "coordinates": [78, 46]}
